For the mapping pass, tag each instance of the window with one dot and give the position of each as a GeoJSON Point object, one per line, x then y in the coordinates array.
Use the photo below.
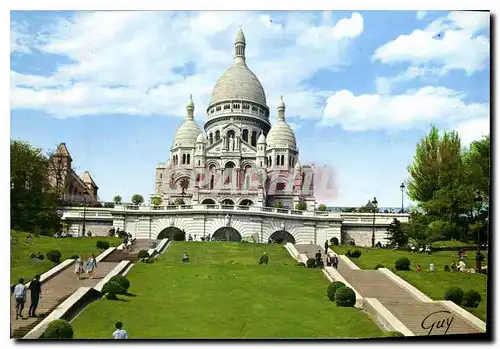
{"type": "Point", "coordinates": [218, 108]}
{"type": "Point", "coordinates": [282, 160]}
{"type": "Point", "coordinates": [236, 106]}
{"type": "Point", "coordinates": [254, 109]}
{"type": "Point", "coordinates": [199, 162]}
{"type": "Point", "coordinates": [277, 160]}
{"type": "Point", "coordinates": [227, 106]}
{"type": "Point", "coordinates": [254, 138]}
{"type": "Point", "coordinates": [211, 138]}
{"type": "Point", "coordinates": [217, 135]}
{"type": "Point", "coordinates": [161, 175]}
{"type": "Point", "coordinates": [188, 156]}
{"type": "Point", "coordinates": [183, 159]}
{"type": "Point", "coordinates": [246, 106]}
{"type": "Point", "coordinates": [245, 135]}
{"type": "Point", "coordinates": [261, 164]}
{"type": "Point", "coordinates": [289, 161]}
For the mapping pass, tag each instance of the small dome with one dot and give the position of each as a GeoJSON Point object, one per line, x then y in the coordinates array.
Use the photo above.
{"type": "Point", "coordinates": [200, 139]}
{"type": "Point", "coordinates": [240, 37]}
{"type": "Point", "coordinates": [297, 165]}
{"type": "Point", "coordinates": [281, 135]}
{"type": "Point", "coordinates": [262, 139]}
{"type": "Point", "coordinates": [187, 134]}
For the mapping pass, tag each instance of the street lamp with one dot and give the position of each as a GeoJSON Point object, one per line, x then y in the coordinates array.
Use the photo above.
{"type": "Point", "coordinates": [478, 200]}
{"type": "Point", "coordinates": [374, 204]}
{"type": "Point", "coordinates": [402, 187]}
{"type": "Point", "coordinates": [84, 213]}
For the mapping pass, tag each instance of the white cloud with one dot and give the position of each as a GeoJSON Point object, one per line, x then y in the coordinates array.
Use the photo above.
{"type": "Point", "coordinates": [420, 15]}
{"type": "Point", "coordinates": [452, 42]}
{"type": "Point", "coordinates": [472, 130]}
{"type": "Point", "coordinates": [413, 109]}
{"type": "Point", "coordinates": [129, 62]}
{"type": "Point", "coordinates": [385, 85]}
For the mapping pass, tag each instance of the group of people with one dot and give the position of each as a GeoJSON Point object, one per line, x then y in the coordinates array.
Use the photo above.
{"type": "Point", "coordinates": [88, 267]}
{"type": "Point", "coordinates": [459, 267]}
{"type": "Point", "coordinates": [422, 249]}
{"type": "Point", "coordinates": [331, 261]}
{"type": "Point", "coordinates": [20, 294]}
{"type": "Point", "coordinates": [202, 238]}
{"type": "Point", "coordinates": [127, 241]}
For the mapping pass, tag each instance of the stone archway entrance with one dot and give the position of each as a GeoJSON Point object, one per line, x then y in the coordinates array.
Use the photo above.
{"type": "Point", "coordinates": [282, 237]}
{"type": "Point", "coordinates": [226, 234]}
{"type": "Point", "coordinates": [172, 233]}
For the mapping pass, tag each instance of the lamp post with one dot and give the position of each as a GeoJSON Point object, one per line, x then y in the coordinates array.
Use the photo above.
{"type": "Point", "coordinates": [478, 200]}
{"type": "Point", "coordinates": [374, 203]}
{"type": "Point", "coordinates": [84, 213]}
{"type": "Point", "coordinates": [402, 187]}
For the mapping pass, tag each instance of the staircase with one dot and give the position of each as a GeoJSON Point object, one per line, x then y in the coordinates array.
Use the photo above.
{"type": "Point", "coordinates": [54, 292]}
{"type": "Point", "coordinates": [131, 253]}
{"type": "Point", "coordinates": [422, 318]}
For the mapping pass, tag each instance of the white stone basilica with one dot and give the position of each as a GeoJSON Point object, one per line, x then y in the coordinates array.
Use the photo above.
{"type": "Point", "coordinates": [239, 158]}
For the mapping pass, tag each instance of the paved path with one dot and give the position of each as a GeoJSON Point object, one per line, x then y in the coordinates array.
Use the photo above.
{"type": "Point", "coordinates": [54, 291]}
{"type": "Point", "coordinates": [409, 310]}
{"type": "Point", "coordinates": [131, 253]}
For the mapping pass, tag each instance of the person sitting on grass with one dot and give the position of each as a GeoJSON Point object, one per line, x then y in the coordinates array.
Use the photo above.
{"type": "Point", "coordinates": [119, 333]}
{"type": "Point", "coordinates": [185, 257]}
{"type": "Point", "coordinates": [264, 259]}
{"type": "Point", "coordinates": [454, 266]}
{"type": "Point", "coordinates": [419, 267]}
{"type": "Point", "coordinates": [461, 266]}
{"type": "Point", "coordinates": [431, 267]}
{"type": "Point", "coordinates": [20, 295]}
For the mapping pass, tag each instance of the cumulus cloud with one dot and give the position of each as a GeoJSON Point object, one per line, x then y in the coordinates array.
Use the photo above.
{"type": "Point", "coordinates": [414, 109]}
{"type": "Point", "coordinates": [452, 42]}
{"type": "Point", "coordinates": [385, 85]}
{"type": "Point", "coordinates": [472, 130]}
{"type": "Point", "coordinates": [147, 63]}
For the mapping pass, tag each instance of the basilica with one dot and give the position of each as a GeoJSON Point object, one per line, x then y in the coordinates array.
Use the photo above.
{"type": "Point", "coordinates": [239, 158]}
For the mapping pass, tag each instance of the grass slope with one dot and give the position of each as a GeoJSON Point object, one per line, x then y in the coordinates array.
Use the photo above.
{"type": "Point", "coordinates": [223, 293]}
{"type": "Point", "coordinates": [433, 284]}
{"type": "Point", "coordinates": [23, 266]}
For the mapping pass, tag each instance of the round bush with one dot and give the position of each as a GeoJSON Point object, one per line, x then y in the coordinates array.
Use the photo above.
{"type": "Point", "coordinates": [447, 267]}
{"type": "Point", "coordinates": [355, 253]}
{"type": "Point", "coordinates": [102, 244]}
{"type": "Point", "coordinates": [143, 254]}
{"type": "Point", "coordinates": [393, 334]}
{"type": "Point", "coordinates": [179, 236]}
{"type": "Point", "coordinates": [111, 289]}
{"type": "Point", "coordinates": [402, 263]}
{"type": "Point", "coordinates": [454, 294]}
{"type": "Point", "coordinates": [311, 263]}
{"type": "Point", "coordinates": [379, 266]}
{"type": "Point", "coordinates": [334, 241]}
{"type": "Point", "coordinates": [332, 288]}
{"type": "Point", "coordinates": [54, 256]}
{"type": "Point", "coordinates": [471, 299]}
{"type": "Point", "coordinates": [345, 297]}
{"type": "Point", "coordinates": [58, 329]}
{"type": "Point", "coordinates": [122, 280]}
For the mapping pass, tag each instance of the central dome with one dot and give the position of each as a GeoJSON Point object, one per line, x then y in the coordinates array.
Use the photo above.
{"type": "Point", "coordinates": [239, 82]}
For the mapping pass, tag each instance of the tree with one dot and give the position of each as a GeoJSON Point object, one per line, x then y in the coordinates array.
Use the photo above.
{"type": "Point", "coordinates": [278, 204]}
{"type": "Point", "coordinates": [396, 234]}
{"type": "Point", "coordinates": [301, 206]}
{"type": "Point", "coordinates": [33, 202]}
{"type": "Point", "coordinates": [117, 199]}
{"type": "Point", "coordinates": [349, 209]}
{"type": "Point", "coordinates": [322, 207]}
{"type": "Point", "coordinates": [156, 201]}
{"type": "Point", "coordinates": [137, 199]}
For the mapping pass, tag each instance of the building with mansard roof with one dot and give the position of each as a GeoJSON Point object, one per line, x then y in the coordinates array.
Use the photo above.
{"type": "Point", "coordinates": [238, 157]}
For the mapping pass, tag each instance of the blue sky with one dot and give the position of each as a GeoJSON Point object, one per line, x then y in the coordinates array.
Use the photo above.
{"type": "Point", "coordinates": [361, 88]}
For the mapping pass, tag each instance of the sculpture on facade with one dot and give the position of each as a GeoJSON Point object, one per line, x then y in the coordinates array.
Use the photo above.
{"type": "Point", "coordinates": [231, 143]}
{"type": "Point", "coordinates": [228, 220]}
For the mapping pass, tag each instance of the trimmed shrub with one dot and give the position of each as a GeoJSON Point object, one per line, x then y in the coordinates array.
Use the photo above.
{"type": "Point", "coordinates": [122, 234]}
{"type": "Point", "coordinates": [111, 289]}
{"type": "Point", "coordinates": [454, 294]}
{"type": "Point", "coordinates": [334, 241]}
{"type": "Point", "coordinates": [354, 253]}
{"type": "Point", "coordinates": [179, 236]}
{"type": "Point", "coordinates": [301, 264]}
{"type": "Point", "coordinates": [54, 256]}
{"type": "Point", "coordinates": [311, 263]}
{"type": "Point", "coordinates": [122, 280]}
{"type": "Point", "coordinates": [74, 257]}
{"type": "Point", "coordinates": [393, 334]}
{"type": "Point", "coordinates": [379, 266]}
{"type": "Point", "coordinates": [447, 267]}
{"type": "Point", "coordinates": [345, 297]}
{"type": "Point", "coordinates": [471, 299]}
{"type": "Point", "coordinates": [102, 244]}
{"type": "Point", "coordinates": [332, 289]}
{"type": "Point", "coordinates": [402, 263]}
{"type": "Point", "coordinates": [58, 329]}
{"type": "Point", "coordinates": [143, 254]}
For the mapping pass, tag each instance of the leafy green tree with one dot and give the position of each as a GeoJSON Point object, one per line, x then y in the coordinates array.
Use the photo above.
{"type": "Point", "coordinates": [156, 201]}
{"type": "Point", "coordinates": [137, 199]}
{"type": "Point", "coordinates": [396, 234]}
{"type": "Point", "coordinates": [278, 204]}
{"type": "Point", "coordinates": [117, 199]}
{"type": "Point", "coordinates": [349, 209]}
{"type": "Point", "coordinates": [34, 205]}
{"type": "Point", "coordinates": [301, 206]}
{"type": "Point", "coordinates": [322, 207]}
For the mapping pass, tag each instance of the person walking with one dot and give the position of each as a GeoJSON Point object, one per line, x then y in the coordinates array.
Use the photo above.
{"type": "Point", "coordinates": [335, 261]}
{"type": "Point", "coordinates": [119, 333]}
{"type": "Point", "coordinates": [125, 242]}
{"type": "Point", "coordinates": [20, 296]}
{"type": "Point", "coordinates": [326, 247]}
{"type": "Point", "coordinates": [35, 292]}
{"type": "Point", "coordinates": [91, 265]}
{"type": "Point", "coordinates": [79, 267]}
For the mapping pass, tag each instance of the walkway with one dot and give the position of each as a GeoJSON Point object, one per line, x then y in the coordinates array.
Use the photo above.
{"type": "Point", "coordinates": [131, 253]}
{"type": "Point", "coordinates": [411, 311]}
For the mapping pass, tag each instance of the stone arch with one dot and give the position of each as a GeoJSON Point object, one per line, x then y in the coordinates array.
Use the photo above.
{"type": "Point", "coordinates": [291, 227]}
{"type": "Point", "coordinates": [226, 234]}
{"type": "Point", "coordinates": [208, 201]}
{"type": "Point", "coordinates": [245, 135]}
{"type": "Point", "coordinates": [274, 185]}
{"type": "Point", "coordinates": [169, 233]}
{"type": "Point", "coordinates": [282, 237]}
{"type": "Point", "coordinates": [217, 135]}
{"type": "Point", "coordinates": [227, 201]}
{"type": "Point", "coordinates": [246, 202]}
{"type": "Point", "coordinates": [229, 164]}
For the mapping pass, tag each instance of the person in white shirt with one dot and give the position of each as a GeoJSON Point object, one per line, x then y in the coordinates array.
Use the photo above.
{"type": "Point", "coordinates": [119, 333]}
{"type": "Point", "coordinates": [20, 296]}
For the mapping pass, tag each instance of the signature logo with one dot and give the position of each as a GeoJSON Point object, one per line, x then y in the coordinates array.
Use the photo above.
{"type": "Point", "coordinates": [437, 319]}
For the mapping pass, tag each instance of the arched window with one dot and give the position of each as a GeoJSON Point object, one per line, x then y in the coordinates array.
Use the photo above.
{"type": "Point", "coordinates": [212, 179]}
{"type": "Point", "coordinates": [282, 160]}
{"type": "Point", "coordinates": [245, 135]}
{"type": "Point", "coordinates": [270, 161]}
{"type": "Point", "coordinates": [211, 138]}
{"type": "Point", "coordinates": [289, 161]}
{"type": "Point", "coordinates": [188, 159]}
{"type": "Point", "coordinates": [183, 159]}
{"type": "Point", "coordinates": [254, 138]}
{"type": "Point", "coordinates": [199, 162]}
{"type": "Point", "coordinates": [161, 175]}
{"type": "Point", "coordinates": [278, 160]}
{"type": "Point", "coordinates": [217, 135]}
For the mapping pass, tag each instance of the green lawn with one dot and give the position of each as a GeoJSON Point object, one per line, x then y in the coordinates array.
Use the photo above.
{"type": "Point", "coordinates": [433, 284]}
{"type": "Point", "coordinates": [23, 266]}
{"type": "Point", "coordinates": [450, 243]}
{"type": "Point", "coordinates": [223, 293]}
